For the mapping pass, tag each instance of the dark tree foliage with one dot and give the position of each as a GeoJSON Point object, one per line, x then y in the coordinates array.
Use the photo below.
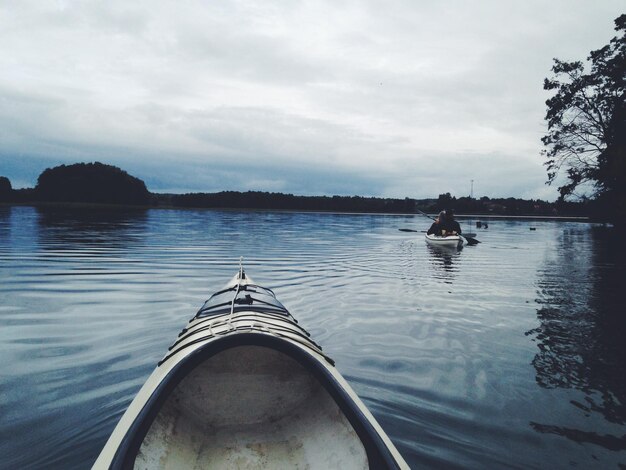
{"type": "Point", "coordinates": [504, 206]}
{"type": "Point", "coordinates": [586, 118]}
{"type": "Point", "coordinates": [462, 205]}
{"type": "Point", "coordinates": [92, 183]}
{"type": "Point", "coordinates": [263, 200]}
{"type": "Point", "coordinates": [5, 189]}
{"type": "Point", "coordinates": [21, 196]}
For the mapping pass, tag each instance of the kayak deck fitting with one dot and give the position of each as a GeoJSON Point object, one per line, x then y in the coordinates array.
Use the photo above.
{"type": "Point", "coordinates": [244, 386]}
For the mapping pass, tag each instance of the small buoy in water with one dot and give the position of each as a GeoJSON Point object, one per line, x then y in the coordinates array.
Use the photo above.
{"type": "Point", "coordinates": [533, 228]}
{"type": "Point", "coordinates": [485, 226]}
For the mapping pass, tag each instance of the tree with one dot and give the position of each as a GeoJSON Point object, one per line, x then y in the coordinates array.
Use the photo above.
{"type": "Point", "coordinates": [5, 184]}
{"type": "Point", "coordinates": [586, 119]}
{"type": "Point", "coordinates": [91, 183]}
{"type": "Point", "coordinates": [5, 189]}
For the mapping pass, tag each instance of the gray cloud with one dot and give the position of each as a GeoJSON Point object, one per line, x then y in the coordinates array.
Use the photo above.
{"type": "Point", "coordinates": [402, 99]}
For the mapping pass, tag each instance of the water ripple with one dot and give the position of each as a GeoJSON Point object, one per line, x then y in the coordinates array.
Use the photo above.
{"type": "Point", "coordinates": [502, 355]}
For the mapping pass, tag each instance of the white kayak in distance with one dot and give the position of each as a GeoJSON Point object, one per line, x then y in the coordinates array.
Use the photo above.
{"type": "Point", "coordinates": [244, 386]}
{"type": "Point", "coordinates": [450, 241]}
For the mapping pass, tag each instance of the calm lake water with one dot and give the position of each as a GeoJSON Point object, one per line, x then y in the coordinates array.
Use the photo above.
{"type": "Point", "coordinates": [508, 354]}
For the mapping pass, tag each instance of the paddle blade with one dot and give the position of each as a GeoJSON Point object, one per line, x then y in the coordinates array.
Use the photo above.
{"type": "Point", "coordinates": [471, 241]}
{"type": "Point", "coordinates": [407, 230]}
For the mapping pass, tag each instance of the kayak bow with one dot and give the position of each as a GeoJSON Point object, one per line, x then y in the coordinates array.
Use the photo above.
{"type": "Point", "coordinates": [245, 386]}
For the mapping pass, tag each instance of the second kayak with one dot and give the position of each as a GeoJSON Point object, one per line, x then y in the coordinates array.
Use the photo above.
{"type": "Point", "coordinates": [451, 241]}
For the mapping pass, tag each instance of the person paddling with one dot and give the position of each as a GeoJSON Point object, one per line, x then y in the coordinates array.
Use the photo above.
{"type": "Point", "coordinates": [435, 228]}
{"type": "Point", "coordinates": [449, 225]}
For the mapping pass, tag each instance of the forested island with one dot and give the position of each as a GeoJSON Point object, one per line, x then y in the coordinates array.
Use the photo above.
{"type": "Point", "coordinates": [98, 183]}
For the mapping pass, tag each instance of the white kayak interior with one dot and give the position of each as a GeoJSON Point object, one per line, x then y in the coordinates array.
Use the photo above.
{"type": "Point", "coordinates": [251, 407]}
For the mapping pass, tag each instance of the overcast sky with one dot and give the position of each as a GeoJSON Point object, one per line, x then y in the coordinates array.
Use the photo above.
{"type": "Point", "coordinates": [379, 98]}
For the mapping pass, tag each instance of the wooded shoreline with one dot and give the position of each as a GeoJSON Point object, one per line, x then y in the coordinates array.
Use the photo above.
{"type": "Point", "coordinates": [97, 184]}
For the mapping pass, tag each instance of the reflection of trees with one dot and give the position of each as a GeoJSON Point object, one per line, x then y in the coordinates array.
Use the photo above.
{"type": "Point", "coordinates": [443, 259]}
{"type": "Point", "coordinates": [605, 440]}
{"type": "Point", "coordinates": [71, 227]}
{"type": "Point", "coordinates": [5, 222]}
{"type": "Point", "coordinates": [581, 338]}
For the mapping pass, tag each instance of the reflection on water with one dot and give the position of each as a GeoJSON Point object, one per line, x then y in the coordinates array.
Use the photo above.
{"type": "Point", "coordinates": [77, 228]}
{"type": "Point", "coordinates": [581, 337]}
{"type": "Point", "coordinates": [57, 271]}
{"type": "Point", "coordinates": [443, 260]}
{"type": "Point", "coordinates": [5, 214]}
{"type": "Point", "coordinates": [432, 340]}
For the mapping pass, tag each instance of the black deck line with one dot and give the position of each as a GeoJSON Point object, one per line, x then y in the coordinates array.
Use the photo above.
{"type": "Point", "coordinates": [278, 330]}
{"type": "Point", "coordinates": [188, 332]}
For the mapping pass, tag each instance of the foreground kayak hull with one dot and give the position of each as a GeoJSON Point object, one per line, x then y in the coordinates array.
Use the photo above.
{"type": "Point", "coordinates": [452, 241]}
{"type": "Point", "coordinates": [245, 387]}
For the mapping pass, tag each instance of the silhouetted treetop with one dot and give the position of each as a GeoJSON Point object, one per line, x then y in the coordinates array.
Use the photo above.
{"type": "Point", "coordinates": [5, 189]}
{"type": "Point", "coordinates": [5, 184]}
{"type": "Point", "coordinates": [91, 182]}
{"type": "Point", "coordinates": [586, 119]}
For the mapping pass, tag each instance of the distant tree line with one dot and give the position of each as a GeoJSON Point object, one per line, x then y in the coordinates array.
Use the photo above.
{"type": "Point", "coordinates": [97, 183]}
{"type": "Point", "coordinates": [280, 201]}
{"type": "Point", "coordinates": [507, 206]}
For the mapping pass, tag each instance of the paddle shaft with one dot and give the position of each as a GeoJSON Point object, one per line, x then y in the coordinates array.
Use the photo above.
{"type": "Point", "coordinates": [425, 214]}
